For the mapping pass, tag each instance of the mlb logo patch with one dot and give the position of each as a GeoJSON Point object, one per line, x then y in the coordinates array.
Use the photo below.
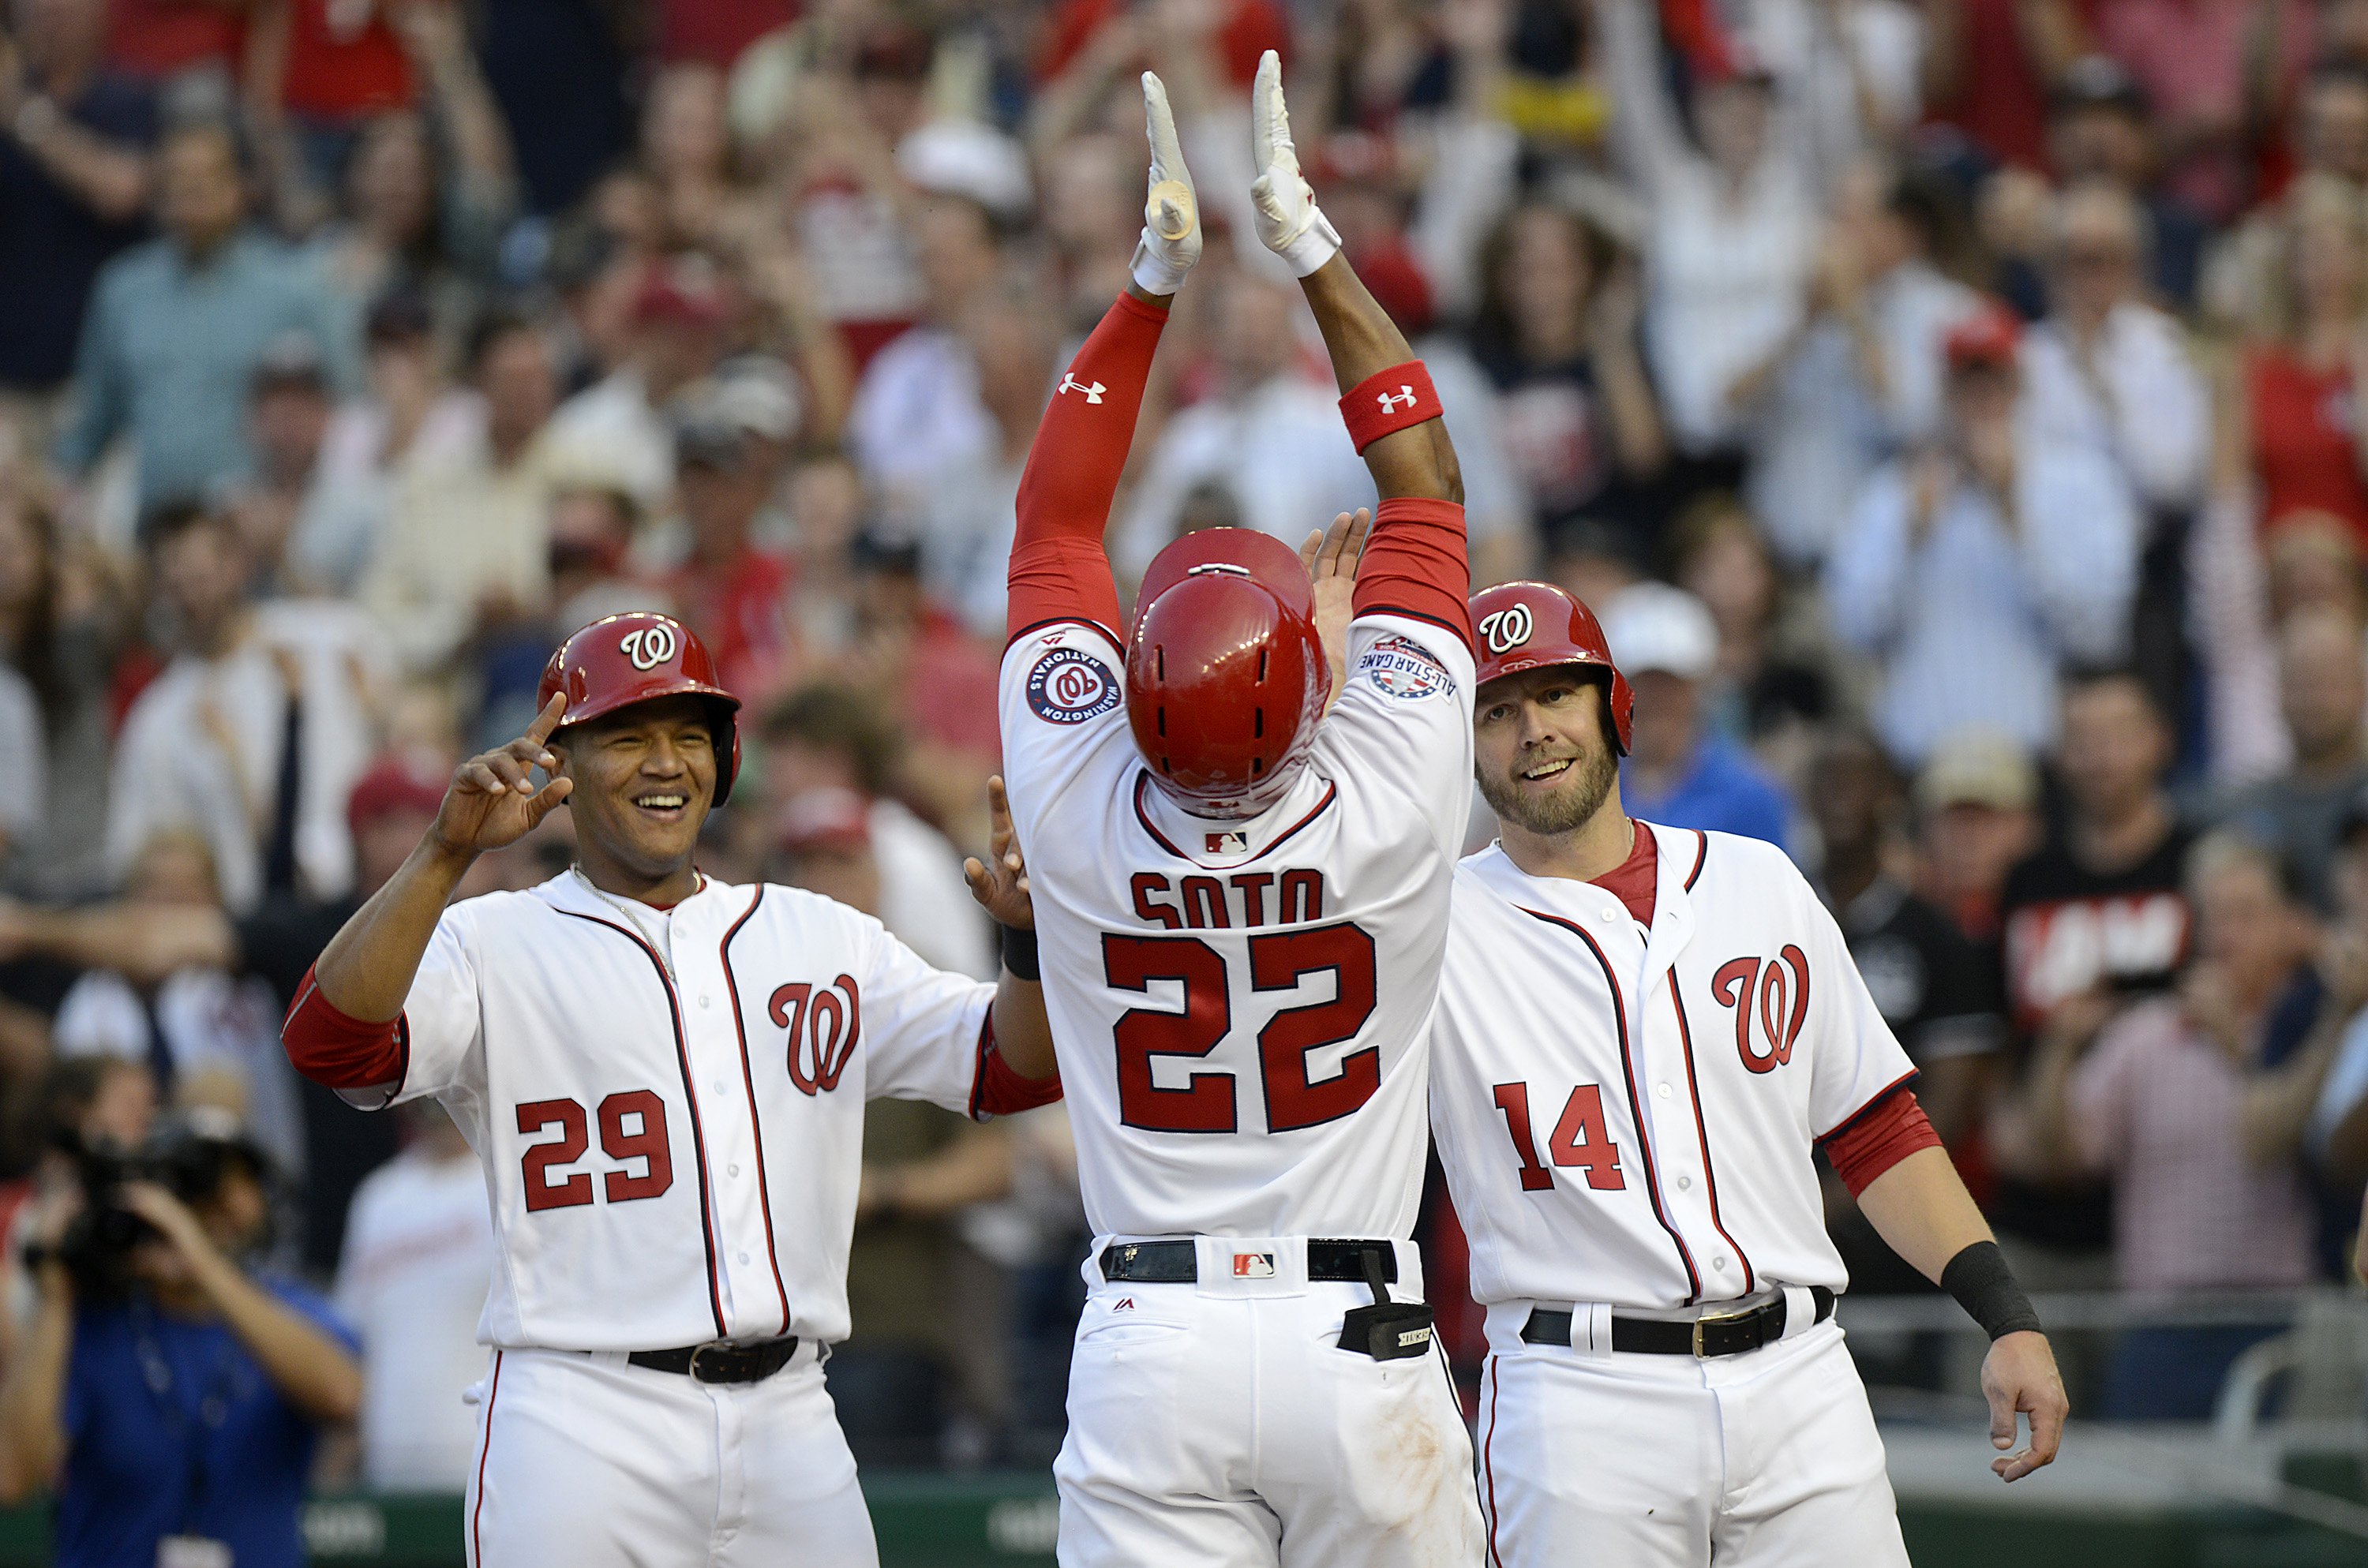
{"type": "Point", "coordinates": [1253, 1266]}
{"type": "Point", "coordinates": [1224, 844]}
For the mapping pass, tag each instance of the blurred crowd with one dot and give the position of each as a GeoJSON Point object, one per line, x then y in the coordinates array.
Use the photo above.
{"type": "Point", "coordinates": [1954, 407]}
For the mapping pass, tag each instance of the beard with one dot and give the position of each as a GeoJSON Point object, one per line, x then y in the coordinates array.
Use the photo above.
{"type": "Point", "coordinates": [1580, 794]}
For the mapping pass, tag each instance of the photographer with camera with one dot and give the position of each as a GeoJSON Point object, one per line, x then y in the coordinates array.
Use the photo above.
{"type": "Point", "coordinates": [169, 1396]}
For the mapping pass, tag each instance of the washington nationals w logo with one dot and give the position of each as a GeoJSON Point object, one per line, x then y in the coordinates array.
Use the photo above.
{"type": "Point", "coordinates": [823, 1030]}
{"type": "Point", "coordinates": [648, 647]}
{"type": "Point", "coordinates": [1506, 630]}
{"type": "Point", "coordinates": [1776, 991]}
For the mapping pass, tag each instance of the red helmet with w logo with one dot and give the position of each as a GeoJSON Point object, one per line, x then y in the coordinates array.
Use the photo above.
{"type": "Point", "coordinates": [1225, 677]}
{"type": "Point", "coordinates": [1530, 626]}
{"type": "Point", "coordinates": [623, 659]}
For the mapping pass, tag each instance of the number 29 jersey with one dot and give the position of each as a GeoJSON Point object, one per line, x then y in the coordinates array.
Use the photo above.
{"type": "Point", "coordinates": [1242, 1009]}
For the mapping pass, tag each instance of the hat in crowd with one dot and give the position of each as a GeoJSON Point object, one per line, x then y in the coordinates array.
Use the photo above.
{"type": "Point", "coordinates": [1978, 767]}
{"type": "Point", "coordinates": [400, 316]}
{"type": "Point", "coordinates": [1653, 625]}
{"type": "Point", "coordinates": [2099, 81]}
{"type": "Point", "coordinates": [1739, 62]}
{"type": "Point", "coordinates": [705, 440]}
{"type": "Point", "coordinates": [756, 392]}
{"type": "Point", "coordinates": [883, 546]}
{"type": "Point", "coordinates": [683, 290]}
{"type": "Point", "coordinates": [962, 157]}
{"type": "Point", "coordinates": [895, 50]}
{"type": "Point", "coordinates": [829, 820]}
{"type": "Point", "coordinates": [1989, 339]}
{"type": "Point", "coordinates": [289, 362]}
{"type": "Point", "coordinates": [390, 786]}
{"type": "Point", "coordinates": [2354, 820]}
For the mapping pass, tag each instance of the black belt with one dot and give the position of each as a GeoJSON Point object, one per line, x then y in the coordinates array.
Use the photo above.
{"type": "Point", "coordinates": [720, 1363]}
{"type": "Point", "coordinates": [1712, 1333]}
{"type": "Point", "coordinates": [1178, 1262]}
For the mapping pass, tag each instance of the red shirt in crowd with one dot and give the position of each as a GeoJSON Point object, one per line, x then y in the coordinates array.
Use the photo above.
{"type": "Point", "coordinates": [717, 30]}
{"type": "Point", "coordinates": [1251, 28]}
{"type": "Point", "coordinates": [153, 39]}
{"type": "Point", "coordinates": [737, 611]}
{"type": "Point", "coordinates": [2306, 453]}
{"type": "Point", "coordinates": [2000, 99]}
{"type": "Point", "coordinates": [344, 61]}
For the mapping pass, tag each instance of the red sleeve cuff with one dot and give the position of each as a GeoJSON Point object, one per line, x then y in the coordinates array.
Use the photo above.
{"type": "Point", "coordinates": [1879, 1137]}
{"type": "Point", "coordinates": [342, 1053]}
{"type": "Point", "coordinates": [1061, 579]}
{"type": "Point", "coordinates": [1388, 402]}
{"type": "Point", "coordinates": [996, 1090]}
{"type": "Point", "coordinates": [1415, 564]}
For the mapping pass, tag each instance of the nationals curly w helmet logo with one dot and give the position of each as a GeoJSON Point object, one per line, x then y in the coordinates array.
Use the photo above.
{"type": "Point", "coordinates": [1506, 630]}
{"type": "Point", "coordinates": [1069, 685]}
{"type": "Point", "coordinates": [649, 646]}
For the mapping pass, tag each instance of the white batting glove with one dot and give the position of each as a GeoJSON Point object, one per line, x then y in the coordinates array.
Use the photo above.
{"type": "Point", "coordinates": [1290, 222]}
{"type": "Point", "coordinates": [1171, 213]}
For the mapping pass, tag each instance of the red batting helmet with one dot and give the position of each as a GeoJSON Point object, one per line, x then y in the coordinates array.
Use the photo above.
{"type": "Point", "coordinates": [1529, 626]}
{"type": "Point", "coordinates": [1225, 677]}
{"type": "Point", "coordinates": [623, 659]}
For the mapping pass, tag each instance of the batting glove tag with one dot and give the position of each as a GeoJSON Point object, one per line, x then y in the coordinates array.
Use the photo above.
{"type": "Point", "coordinates": [1387, 402]}
{"type": "Point", "coordinates": [1290, 222]}
{"type": "Point", "coordinates": [1171, 210]}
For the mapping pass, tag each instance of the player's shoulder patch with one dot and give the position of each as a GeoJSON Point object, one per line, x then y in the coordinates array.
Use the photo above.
{"type": "Point", "coordinates": [1404, 670]}
{"type": "Point", "coordinates": [1068, 684]}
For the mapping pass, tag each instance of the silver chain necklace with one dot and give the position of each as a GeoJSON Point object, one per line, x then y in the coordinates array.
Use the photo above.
{"type": "Point", "coordinates": [664, 947]}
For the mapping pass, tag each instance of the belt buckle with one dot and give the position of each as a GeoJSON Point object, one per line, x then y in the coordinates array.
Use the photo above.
{"type": "Point", "coordinates": [1718, 1319]}
{"type": "Point", "coordinates": [696, 1367]}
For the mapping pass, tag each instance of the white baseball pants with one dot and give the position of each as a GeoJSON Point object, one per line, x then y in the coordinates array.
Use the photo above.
{"type": "Point", "coordinates": [1615, 1459]}
{"type": "Point", "coordinates": [587, 1461]}
{"type": "Point", "coordinates": [1221, 1425]}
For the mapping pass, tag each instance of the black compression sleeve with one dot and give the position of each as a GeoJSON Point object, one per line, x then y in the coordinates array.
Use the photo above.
{"type": "Point", "coordinates": [1978, 1276]}
{"type": "Point", "coordinates": [1019, 951]}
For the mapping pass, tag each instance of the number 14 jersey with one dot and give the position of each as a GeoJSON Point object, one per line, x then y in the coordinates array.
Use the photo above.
{"type": "Point", "coordinates": [1242, 1009]}
{"type": "Point", "coordinates": [1626, 1116]}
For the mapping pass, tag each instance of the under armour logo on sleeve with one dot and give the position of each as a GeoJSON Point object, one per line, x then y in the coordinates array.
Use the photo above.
{"type": "Point", "coordinates": [1392, 401]}
{"type": "Point", "coordinates": [1093, 389]}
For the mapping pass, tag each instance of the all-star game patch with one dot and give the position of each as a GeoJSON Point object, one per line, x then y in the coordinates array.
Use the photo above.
{"type": "Point", "coordinates": [1402, 668]}
{"type": "Point", "coordinates": [1069, 685]}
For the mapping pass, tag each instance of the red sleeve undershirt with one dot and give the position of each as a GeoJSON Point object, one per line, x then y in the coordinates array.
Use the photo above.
{"type": "Point", "coordinates": [338, 1051]}
{"type": "Point", "coordinates": [1881, 1135]}
{"type": "Point", "coordinates": [1059, 570]}
{"type": "Point", "coordinates": [997, 1090]}
{"type": "Point", "coordinates": [1634, 879]}
{"type": "Point", "coordinates": [1415, 564]}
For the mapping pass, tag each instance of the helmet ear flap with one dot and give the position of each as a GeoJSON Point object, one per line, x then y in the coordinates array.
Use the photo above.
{"type": "Point", "coordinates": [727, 756]}
{"type": "Point", "coordinates": [1619, 710]}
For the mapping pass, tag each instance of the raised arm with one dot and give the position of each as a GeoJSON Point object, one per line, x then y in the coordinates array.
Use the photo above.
{"type": "Point", "coordinates": [1417, 563]}
{"type": "Point", "coordinates": [1059, 570]}
{"type": "Point", "coordinates": [341, 1030]}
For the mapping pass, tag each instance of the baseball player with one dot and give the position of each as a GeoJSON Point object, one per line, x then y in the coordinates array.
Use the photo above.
{"type": "Point", "coordinates": [1643, 1033]}
{"type": "Point", "coordinates": [1242, 900]}
{"type": "Point", "coordinates": [665, 1078]}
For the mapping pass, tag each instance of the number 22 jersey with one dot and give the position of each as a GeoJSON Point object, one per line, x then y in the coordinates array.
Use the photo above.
{"type": "Point", "coordinates": [1241, 1007]}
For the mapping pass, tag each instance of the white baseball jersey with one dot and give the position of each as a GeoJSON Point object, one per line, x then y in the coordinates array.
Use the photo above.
{"type": "Point", "coordinates": [1625, 1116]}
{"type": "Point", "coordinates": [670, 1106]}
{"type": "Point", "coordinates": [1241, 1008]}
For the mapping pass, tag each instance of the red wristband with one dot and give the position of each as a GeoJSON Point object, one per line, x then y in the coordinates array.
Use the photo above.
{"type": "Point", "coordinates": [1388, 401]}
